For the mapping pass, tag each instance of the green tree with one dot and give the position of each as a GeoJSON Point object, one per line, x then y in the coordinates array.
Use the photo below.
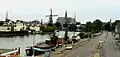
{"type": "Point", "coordinates": [49, 29]}
{"type": "Point", "coordinates": [50, 24]}
{"type": "Point", "coordinates": [114, 24]}
{"type": "Point", "coordinates": [77, 23]}
{"type": "Point", "coordinates": [107, 26]}
{"type": "Point", "coordinates": [72, 27]}
{"type": "Point", "coordinates": [65, 25]}
{"type": "Point", "coordinates": [97, 25]}
{"type": "Point", "coordinates": [88, 27]}
{"type": "Point", "coordinates": [58, 25]}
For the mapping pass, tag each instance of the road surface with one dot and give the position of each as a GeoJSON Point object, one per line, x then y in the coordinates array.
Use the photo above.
{"type": "Point", "coordinates": [109, 48]}
{"type": "Point", "coordinates": [87, 49]}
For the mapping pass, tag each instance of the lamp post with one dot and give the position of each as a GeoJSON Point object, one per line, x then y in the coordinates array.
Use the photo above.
{"type": "Point", "coordinates": [33, 45]}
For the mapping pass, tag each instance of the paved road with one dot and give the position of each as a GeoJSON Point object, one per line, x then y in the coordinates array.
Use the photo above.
{"type": "Point", "coordinates": [109, 48]}
{"type": "Point", "coordinates": [87, 49]}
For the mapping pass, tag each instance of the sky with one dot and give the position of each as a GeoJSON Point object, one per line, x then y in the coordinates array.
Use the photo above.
{"type": "Point", "coordinates": [86, 10]}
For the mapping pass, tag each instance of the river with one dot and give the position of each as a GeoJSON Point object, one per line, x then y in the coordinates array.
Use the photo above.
{"type": "Point", "coordinates": [23, 42]}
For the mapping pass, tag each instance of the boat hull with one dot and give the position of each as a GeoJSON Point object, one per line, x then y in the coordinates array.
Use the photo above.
{"type": "Point", "coordinates": [13, 33]}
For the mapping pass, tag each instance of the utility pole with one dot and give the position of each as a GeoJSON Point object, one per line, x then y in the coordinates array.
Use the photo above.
{"type": "Point", "coordinates": [74, 23]}
{"type": "Point", "coordinates": [33, 44]}
{"type": "Point", "coordinates": [73, 37]}
{"type": "Point", "coordinates": [41, 27]}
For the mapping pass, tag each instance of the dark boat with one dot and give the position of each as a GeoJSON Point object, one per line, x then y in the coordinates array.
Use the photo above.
{"type": "Point", "coordinates": [13, 33]}
{"type": "Point", "coordinates": [39, 49]}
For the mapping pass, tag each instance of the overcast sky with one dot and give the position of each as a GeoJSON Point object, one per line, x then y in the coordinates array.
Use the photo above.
{"type": "Point", "coordinates": [86, 10]}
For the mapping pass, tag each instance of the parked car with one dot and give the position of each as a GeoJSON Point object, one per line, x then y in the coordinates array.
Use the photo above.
{"type": "Point", "coordinates": [69, 48]}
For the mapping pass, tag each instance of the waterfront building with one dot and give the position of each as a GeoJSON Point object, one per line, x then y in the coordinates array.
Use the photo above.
{"type": "Point", "coordinates": [19, 25]}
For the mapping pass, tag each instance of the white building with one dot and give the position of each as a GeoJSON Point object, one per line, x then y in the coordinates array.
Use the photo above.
{"type": "Point", "coordinates": [19, 25]}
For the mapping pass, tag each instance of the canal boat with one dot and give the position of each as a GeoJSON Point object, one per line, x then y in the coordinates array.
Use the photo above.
{"type": "Point", "coordinates": [10, 52]}
{"type": "Point", "coordinates": [13, 33]}
{"type": "Point", "coordinates": [39, 48]}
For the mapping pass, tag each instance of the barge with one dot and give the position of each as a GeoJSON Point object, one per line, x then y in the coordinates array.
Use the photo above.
{"type": "Point", "coordinates": [10, 52]}
{"type": "Point", "coordinates": [13, 33]}
{"type": "Point", "coordinates": [39, 49]}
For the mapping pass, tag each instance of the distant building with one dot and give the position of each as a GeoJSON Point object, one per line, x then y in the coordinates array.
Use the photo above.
{"type": "Point", "coordinates": [65, 19]}
{"type": "Point", "coordinates": [19, 25]}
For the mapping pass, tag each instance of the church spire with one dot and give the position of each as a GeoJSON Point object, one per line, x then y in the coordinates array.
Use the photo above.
{"type": "Point", "coordinates": [74, 17]}
{"type": "Point", "coordinates": [66, 14]}
{"type": "Point", "coordinates": [6, 17]}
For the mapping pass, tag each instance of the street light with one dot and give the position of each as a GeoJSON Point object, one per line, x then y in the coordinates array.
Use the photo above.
{"type": "Point", "coordinates": [33, 45]}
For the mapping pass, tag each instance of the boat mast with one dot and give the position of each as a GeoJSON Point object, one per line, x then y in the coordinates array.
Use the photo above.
{"type": "Point", "coordinates": [33, 44]}
{"type": "Point", "coordinates": [74, 23]}
{"type": "Point", "coordinates": [41, 27]}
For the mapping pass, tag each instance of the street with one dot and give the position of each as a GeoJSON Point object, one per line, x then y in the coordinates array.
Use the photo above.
{"type": "Point", "coordinates": [109, 48]}
{"type": "Point", "coordinates": [87, 49]}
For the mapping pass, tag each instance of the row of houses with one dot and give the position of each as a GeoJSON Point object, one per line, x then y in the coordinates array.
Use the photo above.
{"type": "Point", "coordinates": [4, 25]}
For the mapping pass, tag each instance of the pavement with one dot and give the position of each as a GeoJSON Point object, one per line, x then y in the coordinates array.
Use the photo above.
{"type": "Point", "coordinates": [109, 48]}
{"type": "Point", "coordinates": [58, 52]}
{"type": "Point", "coordinates": [88, 49]}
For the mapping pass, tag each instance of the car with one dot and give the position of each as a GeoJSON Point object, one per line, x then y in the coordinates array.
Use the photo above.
{"type": "Point", "coordinates": [69, 48]}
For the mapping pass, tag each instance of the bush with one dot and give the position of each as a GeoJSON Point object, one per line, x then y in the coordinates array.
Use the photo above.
{"type": "Point", "coordinates": [82, 35]}
{"type": "Point", "coordinates": [48, 29]}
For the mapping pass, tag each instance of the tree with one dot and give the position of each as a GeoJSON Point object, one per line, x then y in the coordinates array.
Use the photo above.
{"type": "Point", "coordinates": [17, 21]}
{"type": "Point", "coordinates": [72, 27]}
{"type": "Point", "coordinates": [114, 24]}
{"type": "Point", "coordinates": [88, 27]}
{"type": "Point", "coordinates": [107, 27]}
{"type": "Point", "coordinates": [98, 25]}
{"type": "Point", "coordinates": [77, 23]}
{"type": "Point", "coordinates": [1, 23]}
{"type": "Point", "coordinates": [65, 25]}
{"type": "Point", "coordinates": [50, 24]}
{"type": "Point", "coordinates": [58, 25]}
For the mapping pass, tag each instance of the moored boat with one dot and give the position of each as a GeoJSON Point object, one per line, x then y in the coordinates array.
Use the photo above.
{"type": "Point", "coordinates": [39, 48]}
{"type": "Point", "coordinates": [13, 33]}
{"type": "Point", "coordinates": [10, 52]}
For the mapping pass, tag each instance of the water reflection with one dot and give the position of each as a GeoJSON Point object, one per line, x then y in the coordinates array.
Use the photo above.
{"type": "Point", "coordinates": [13, 42]}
